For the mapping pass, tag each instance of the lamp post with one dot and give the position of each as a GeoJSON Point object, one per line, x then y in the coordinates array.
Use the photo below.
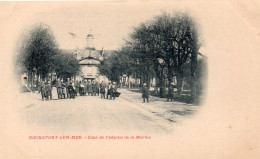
{"type": "Point", "coordinates": [162, 76]}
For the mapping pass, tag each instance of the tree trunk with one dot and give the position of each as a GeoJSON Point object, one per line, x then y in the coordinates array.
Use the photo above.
{"type": "Point", "coordinates": [179, 82]}
{"type": "Point", "coordinates": [156, 85]}
{"type": "Point", "coordinates": [170, 75]}
{"type": "Point", "coordinates": [128, 77]}
{"type": "Point", "coordinates": [37, 81]}
{"type": "Point", "coordinates": [162, 85]}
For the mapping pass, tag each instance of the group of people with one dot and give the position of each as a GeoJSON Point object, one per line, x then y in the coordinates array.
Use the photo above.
{"type": "Point", "coordinates": [145, 92]}
{"type": "Point", "coordinates": [58, 89]}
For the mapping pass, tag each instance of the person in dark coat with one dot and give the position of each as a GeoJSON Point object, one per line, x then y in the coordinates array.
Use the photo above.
{"type": "Point", "coordinates": [74, 89]}
{"type": "Point", "coordinates": [89, 88]}
{"type": "Point", "coordinates": [41, 89]}
{"type": "Point", "coordinates": [59, 89]}
{"type": "Point", "coordinates": [67, 89]}
{"type": "Point", "coordinates": [145, 93]}
{"type": "Point", "coordinates": [113, 90]}
{"type": "Point", "coordinates": [48, 90]}
{"type": "Point", "coordinates": [170, 93]}
{"type": "Point", "coordinates": [77, 87]}
{"type": "Point", "coordinates": [63, 89]}
{"type": "Point", "coordinates": [81, 88]}
{"type": "Point", "coordinates": [93, 85]}
{"type": "Point", "coordinates": [85, 87]}
{"type": "Point", "coordinates": [97, 88]}
{"type": "Point", "coordinates": [71, 90]}
{"type": "Point", "coordinates": [102, 89]}
{"type": "Point", "coordinates": [108, 89]}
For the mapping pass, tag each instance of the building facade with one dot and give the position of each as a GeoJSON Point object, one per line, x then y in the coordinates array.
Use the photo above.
{"type": "Point", "coordinates": [89, 58]}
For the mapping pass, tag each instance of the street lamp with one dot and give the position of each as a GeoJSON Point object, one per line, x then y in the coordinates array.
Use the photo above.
{"type": "Point", "coordinates": [162, 77]}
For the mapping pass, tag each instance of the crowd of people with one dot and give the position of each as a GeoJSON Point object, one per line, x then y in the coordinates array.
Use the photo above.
{"type": "Point", "coordinates": [145, 92]}
{"type": "Point", "coordinates": [58, 89]}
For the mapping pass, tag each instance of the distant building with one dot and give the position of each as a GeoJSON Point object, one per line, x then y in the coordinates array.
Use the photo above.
{"type": "Point", "coordinates": [89, 58]}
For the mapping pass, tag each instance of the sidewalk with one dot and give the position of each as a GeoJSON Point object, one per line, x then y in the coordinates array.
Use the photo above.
{"type": "Point", "coordinates": [173, 112]}
{"type": "Point", "coordinates": [28, 99]}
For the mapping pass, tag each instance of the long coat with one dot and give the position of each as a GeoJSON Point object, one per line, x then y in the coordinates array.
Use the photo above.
{"type": "Point", "coordinates": [170, 91]}
{"type": "Point", "coordinates": [102, 88]}
{"type": "Point", "coordinates": [145, 92]}
{"type": "Point", "coordinates": [41, 88]}
{"type": "Point", "coordinates": [89, 88]}
{"type": "Point", "coordinates": [97, 87]}
{"type": "Point", "coordinates": [48, 89]}
{"type": "Point", "coordinates": [93, 86]}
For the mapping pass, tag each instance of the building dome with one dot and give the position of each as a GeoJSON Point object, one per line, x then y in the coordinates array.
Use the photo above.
{"type": "Point", "coordinates": [90, 41]}
{"type": "Point", "coordinates": [90, 36]}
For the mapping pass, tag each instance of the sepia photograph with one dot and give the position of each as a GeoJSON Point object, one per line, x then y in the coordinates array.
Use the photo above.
{"type": "Point", "coordinates": [154, 79]}
{"type": "Point", "coordinates": [145, 77]}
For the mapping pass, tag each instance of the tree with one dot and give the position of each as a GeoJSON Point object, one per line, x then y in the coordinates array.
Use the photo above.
{"type": "Point", "coordinates": [65, 64]}
{"type": "Point", "coordinates": [167, 41]}
{"type": "Point", "coordinates": [37, 52]}
{"type": "Point", "coordinates": [177, 39]}
{"type": "Point", "coordinates": [142, 53]}
{"type": "Point", "coordinates": [110, 67]}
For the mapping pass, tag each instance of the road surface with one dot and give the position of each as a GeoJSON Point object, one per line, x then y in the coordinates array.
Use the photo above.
{"type": "Point", "coordinates": [90, 114]}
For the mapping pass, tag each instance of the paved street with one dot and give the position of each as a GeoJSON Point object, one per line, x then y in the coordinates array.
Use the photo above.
{"type": "Point", "coordinates": [93, 114]}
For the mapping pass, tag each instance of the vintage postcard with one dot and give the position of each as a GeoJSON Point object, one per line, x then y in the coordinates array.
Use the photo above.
{"type": "Point", "coordinates": [121, 79]}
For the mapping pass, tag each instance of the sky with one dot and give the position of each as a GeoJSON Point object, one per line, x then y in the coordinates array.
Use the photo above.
{"type": "Point", "coordinates": [110, 23]}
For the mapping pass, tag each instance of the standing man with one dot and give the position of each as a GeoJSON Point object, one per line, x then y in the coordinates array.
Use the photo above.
{"type": "Point", "coordinates": [85, 87]}
{"type": "Point", "coordinates": [41, 89]}
{"type": "Point", "coordinates": [108, 89]}
{"type": "Point", "coordinates": [63, 89]}
{"type": "Point", "coordinates": [59, 89]}
{"type": "Point", "coordinates": [93, 85]}
{"type": "Point", "coordinates": [145, 93]}
{"type": "Point", "coordinates": [97, 87]}
{"type": "Point", "coordinates": [112, 91]}
{"type": "Point", "coordinates": [67, 89]}
{"type": "Point", "coordinates": [48, 90]}
{"type": "Point", "coordinates": [170, 93]}
{"type": "Point", "coordinates": [71, 90]}
{"type": "Point", "coordinates": [89, 88]}
{"type": "Point", "coordinates": [81, 88]}
{"type": "Point", "coordinates": [102, 89]}
{"type": "Point", "coordinates": [77, 87]}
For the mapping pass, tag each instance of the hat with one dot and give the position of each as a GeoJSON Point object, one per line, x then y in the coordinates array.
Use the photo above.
{"type": "Point", "coordinates": [144, 84]}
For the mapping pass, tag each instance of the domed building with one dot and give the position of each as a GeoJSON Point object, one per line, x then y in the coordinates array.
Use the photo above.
{"type": "Point", "coordinates": [89, 59]}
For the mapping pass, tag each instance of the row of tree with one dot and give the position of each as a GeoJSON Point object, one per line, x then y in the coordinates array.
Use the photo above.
{"type": "Point", "coordinates": [165, 47]}
{"type": "Point", "coordinates": [38, 56]}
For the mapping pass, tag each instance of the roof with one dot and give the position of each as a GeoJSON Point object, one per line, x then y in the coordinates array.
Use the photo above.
{"type": "Point", "coordinates": [90, 36]}
{"type": "Point", "coordinates": [89, 62]}
{"type": "Point", "coordinates": [89, 53]}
